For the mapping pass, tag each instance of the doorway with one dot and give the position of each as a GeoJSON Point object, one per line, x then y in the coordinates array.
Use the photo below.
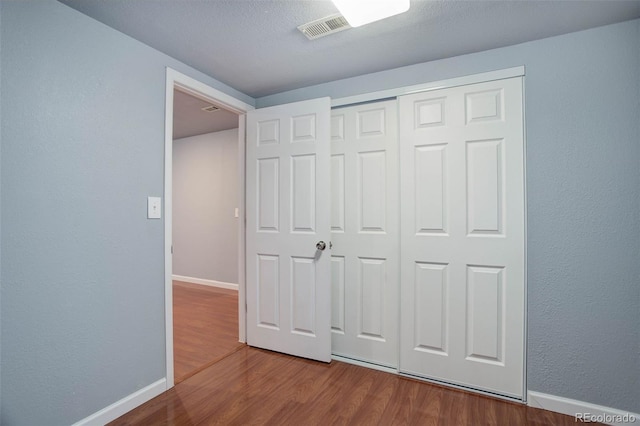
{"type": "Point", "coordinates": [204, 235]}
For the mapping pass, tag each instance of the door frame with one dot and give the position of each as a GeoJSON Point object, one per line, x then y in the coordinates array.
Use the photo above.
{"type": "Point", "coordinates": [177, 80]}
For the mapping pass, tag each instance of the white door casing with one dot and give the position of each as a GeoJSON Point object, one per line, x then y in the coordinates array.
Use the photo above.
{"type": "Point", "coordinates": [287, 205]}
{"type": "Point", "coordinates": [462, 236]}
{"type": "Point", "coordinates": [177, 80]}
{"type": "Point", "coordinates": [365, 232]}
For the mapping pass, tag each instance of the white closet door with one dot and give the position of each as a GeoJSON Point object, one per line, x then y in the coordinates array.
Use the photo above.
{"type": "Point", "coordinates": [365, 232]}
{"type": "Point", "coordinates": [288, 184]}
{"type": "Point", "coordinates": [462, 268]}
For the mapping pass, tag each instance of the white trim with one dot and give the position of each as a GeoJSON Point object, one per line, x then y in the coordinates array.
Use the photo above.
{"type": "Point", "coordinates": [242, 301]}
{"type": "Point", "coordinates": [124, 405]}
{"type": "Point", "coordinates": [434, 85]}
{"type": "Point", "coordinates": [525, 335]}
{"type": "Point", "coordinates": [202, 281]}
{"type": "Point", "coordinates": [168, 226]}
{"type": "Point", "coordinates": [200, 90]}
{"type": "Point", "coordinates": [184, 83]}
{"type": "Point", "coordinates": [571, 407]}
{"type": "Point", "coordinates": [364, 364]}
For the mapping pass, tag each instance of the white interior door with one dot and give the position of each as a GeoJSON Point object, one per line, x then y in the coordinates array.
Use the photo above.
{"type": "Point", "coordinates": [365, 232]}
{"type": "Point", "coordinates": [462, 233]}
{"type": "Point", "coordinates": [288, 196]}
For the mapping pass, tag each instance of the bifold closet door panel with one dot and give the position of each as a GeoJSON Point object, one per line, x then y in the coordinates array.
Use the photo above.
{"type": "Point", "coordinates": [365, 232]}
{"type": "Point", "coordinates": [462, 236]}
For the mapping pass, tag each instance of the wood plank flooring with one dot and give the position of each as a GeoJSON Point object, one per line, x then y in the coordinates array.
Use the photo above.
{"type": "Point", "coordinates": [205, 327]}
{"type": "Point", "coordinates": [257, 387]}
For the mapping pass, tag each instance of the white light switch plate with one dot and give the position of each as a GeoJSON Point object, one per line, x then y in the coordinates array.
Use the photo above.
{"type": "Point", "coordinates": [154, 207]}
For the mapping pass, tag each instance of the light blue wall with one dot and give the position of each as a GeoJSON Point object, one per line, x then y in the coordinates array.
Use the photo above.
{"type": "Point", "coordinates": [583, 188]}
{"type": "Point", "coordinates": [83, 269]}
{"type": "Point", "coordinates": [1, 96]}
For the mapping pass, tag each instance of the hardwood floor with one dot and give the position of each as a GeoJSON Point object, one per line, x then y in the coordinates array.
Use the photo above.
{"type": "Point", "coordinates": [257, 387]}
{"type": "Point", "coordinates": [205, 327]}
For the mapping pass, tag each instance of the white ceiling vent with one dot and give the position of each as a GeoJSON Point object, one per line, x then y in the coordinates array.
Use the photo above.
{"type": "Point", "coordinates": [324, 26]}
{"type": "Point", "coordinates": [210, 108]}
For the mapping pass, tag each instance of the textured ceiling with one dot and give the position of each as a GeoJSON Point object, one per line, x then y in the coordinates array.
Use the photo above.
{"type": "Point", "coordinates": [255, 47]}
{"type": "Point", "coordinates": [190, 120]}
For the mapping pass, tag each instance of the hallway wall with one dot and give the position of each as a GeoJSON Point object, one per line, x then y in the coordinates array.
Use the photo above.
{"type": "Point", "coordinates": [205, 194]}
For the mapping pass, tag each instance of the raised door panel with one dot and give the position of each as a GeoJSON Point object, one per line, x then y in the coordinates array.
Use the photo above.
{"type": "Point", "coordinates": [337, 294]}
{"type": "Point", "coordinates": [431, 308]}
{"type": "Point", "coordinates": [485, 314]}
{"type": "Point", "coordinates": [431, 202]}
{"type": "Point", "coordinates": [485, 187]}
{"type": "Point", "coordinates": [303, 287]}
{"type": "Point", "coordinates": [483, 106]}
{"type": "Point", "coordinates": [268, 132]}
{"type": "Point", "coordinates": [429, 112]}
{"type": "Point", "coordinates": [371, 291]}
{"type": "Point", "coordinates": [337, 193]}
{"type": "Point", "coordinates": [268, 194]}
{"type": "Point", "coordinates": [268, 291]}
{"type": "Point", "coordinates": [303, 128]}
{"type": "Point", "coordinates": [371, 122]}
{"type": "Point", "coordinates": [372, 191]}
{"type": "Point", "coordinates": [303, 193]}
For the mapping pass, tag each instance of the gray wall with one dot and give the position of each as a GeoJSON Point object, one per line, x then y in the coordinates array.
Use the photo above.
{"type": "Point", "coordinates": [82, 268]}
{"type": "Point", "coordinates": [205, 193]}
{"type": "Point", "coordinates": [583, 187]}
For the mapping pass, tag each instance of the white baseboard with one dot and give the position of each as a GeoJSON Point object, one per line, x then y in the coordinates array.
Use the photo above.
{"type": "Point", "coordinates": [201, 281]}
{"type": "Point", "coordinates": [125, 405]}
{"type": "Point", "coordinates": [572, 407]}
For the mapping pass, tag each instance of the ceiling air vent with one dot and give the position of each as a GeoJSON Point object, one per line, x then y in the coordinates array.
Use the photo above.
{"type": "Point", "coordinates": [325, 26]}
{"type": "Point", "coordinates": [210, 108]}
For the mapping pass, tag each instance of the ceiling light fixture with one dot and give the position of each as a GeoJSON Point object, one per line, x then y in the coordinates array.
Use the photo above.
{"type": "Point", "coordinates": [360, 12]}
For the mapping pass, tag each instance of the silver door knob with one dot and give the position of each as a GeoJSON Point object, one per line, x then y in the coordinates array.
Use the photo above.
{"type": "Point", "coordinates": [321, 245]}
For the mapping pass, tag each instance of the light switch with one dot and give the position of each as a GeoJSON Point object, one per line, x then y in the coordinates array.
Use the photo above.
{"type": "Point", "coordinates": [154, 207]}
{"type": "Point", "coordinates": [236, 213]}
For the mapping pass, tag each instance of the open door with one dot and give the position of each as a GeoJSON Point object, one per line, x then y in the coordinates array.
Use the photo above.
{"type": "Point", "coordinates": [288, 229]}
